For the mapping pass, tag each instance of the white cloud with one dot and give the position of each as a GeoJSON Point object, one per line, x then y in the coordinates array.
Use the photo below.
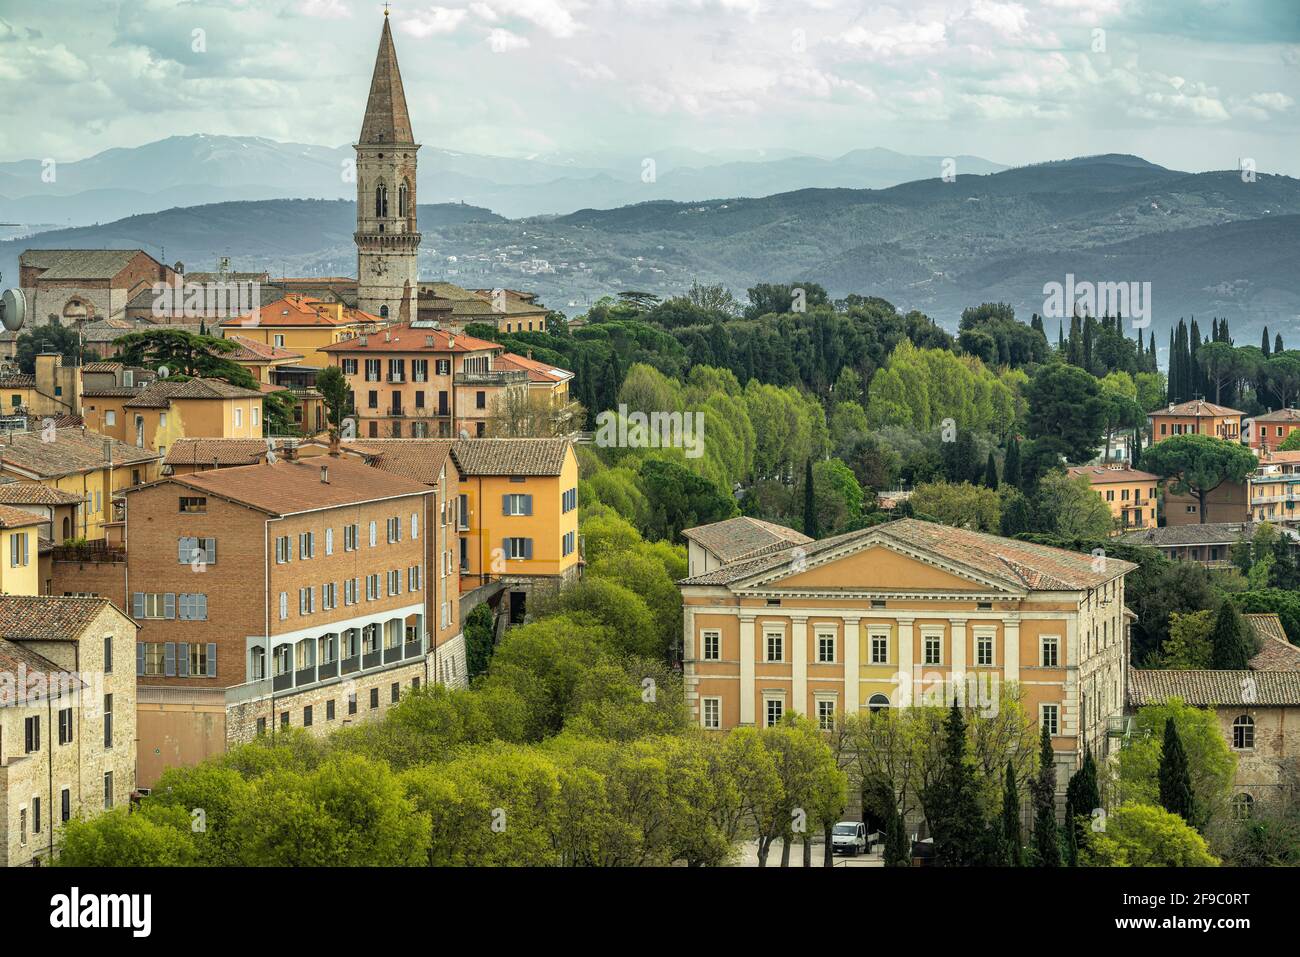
{"type": "Point", "coordinates": [503, 41]}
{"type": "Point", "coordinates": [324, 9]}
{"type": "Point", "coordinates": [432, 21]}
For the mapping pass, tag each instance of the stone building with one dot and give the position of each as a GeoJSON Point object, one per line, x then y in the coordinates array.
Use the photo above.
{"type": "Point", "coordinates": [69, 751]}
{"type": "Point", "coordinates": [72, 286]}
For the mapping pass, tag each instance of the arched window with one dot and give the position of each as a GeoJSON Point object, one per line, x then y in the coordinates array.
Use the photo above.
{"type": "Point", "coordinates": [381, 201]}
{"type": "Point", "coordinates": [401, 200]}
{"type": "Point", "coordinates": [1243, 733]}
{"type": "Point", "coordinates": [383, 312]}
{"type": "Point", "coordinates": [67, 528]}
{"type": "Point", "coordinates": [878, 702]}
{"type": "Point", "coordinates": [1242, 806]}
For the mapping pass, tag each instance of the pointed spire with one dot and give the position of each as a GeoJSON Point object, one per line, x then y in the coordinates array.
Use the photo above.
{"type": "Point", "coordinates": [387, 120]}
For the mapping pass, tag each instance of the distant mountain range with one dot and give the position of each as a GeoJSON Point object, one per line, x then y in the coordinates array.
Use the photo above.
{"type": "Point", "coordinates": [1210, 244]}
{"type": "Point", "coordinates": [199, 169]}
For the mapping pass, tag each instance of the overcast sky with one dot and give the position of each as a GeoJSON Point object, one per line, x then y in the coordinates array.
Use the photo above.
{"type": "Point", "coordinates": [1192, 84]}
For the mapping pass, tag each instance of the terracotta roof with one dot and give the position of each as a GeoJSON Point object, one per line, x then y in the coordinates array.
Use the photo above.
{"type": "Point", "coordinates": [113, 392]}
{"type": "Point", "coordinates": [34, 493]}
{"type": "Point", "coordinates": [11, 517]}
{"type": "Point", "coordinates": [15, 658]}
{"type": "Point", "coordinates": [1246, 689]}
{"type": "Point", "coordinates": [1197, 407]}
{"type": "Point", "coordinates": [296, 310]}
{"type": "Point", "coordinates": [18, 380]}
{"type": "Point", "coordinates": [406, 338]}
{"type": "Point", "coordinates": [537, 371]}
{"type": "Point", "coordinates": [1281, 415]}
{"type": "Point", "coordinates": [1207, 533]}
{"type": "Point", "coordinates": [285, 488]}
{"type": "Point", "coordinates": [1016, 565]}
{"type": "Point", "coordinates": [1104, 475]}
{"type": "Point", "coordinates": [250, 350]}
{"type": "Point", "coordinates": [102, 367]}
{"type": "Point", "coordinates": [736, 539]}
{"type": "Point", "coordinates": [72, 452]}
{"type": "Point", "coordinates": [47, 617]}
{"type": "Point", "coordinates": [418, 459]}
{"type": "Point", "coordinates": [510, 456]}
{"type": "Point", "coordinates": [464, 303]}
{"type": "Point", "coordinates": [79, 263]}
{"type": "Point", "coordinates": [1276, 653]}
{"type": "Point", "coordinates": [225, 452]}
{"type": "Point", "coordinates": [159, 395]}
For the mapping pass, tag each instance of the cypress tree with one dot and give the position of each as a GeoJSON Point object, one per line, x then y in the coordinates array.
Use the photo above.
{"type": "Point", "coordinates": [1071, 836]}
{"type": "Point", "coordinates": [1231, 643]}
{"type": "Point", "coordinates": [809, 502]}
{"type": "Point", "coordinates": [1083, 794]}
{"type": "Point", "coordinates": [1152, 362]}
{"type": "Point", "coordinates": [1278, 348]}
{"type": "Point", "coordinates": [1047, 839]}
{"type": "Point", "coordinates": [898, 849]}
{"type": "Point", "coordinates": [1263, 343]}
{"type": "Point", "coordinates": [952, 805]}
{"type": "Point", "coordinates": [991, 472]}
{"type": "Point", "coordinates": [1011, 463]}
{"type": "Point", "coordinates": [1171, 380]}
{"type": "Point", "coordinates": [1175, 776]}
{"type": "Point", "coordinates": [1013, 850]}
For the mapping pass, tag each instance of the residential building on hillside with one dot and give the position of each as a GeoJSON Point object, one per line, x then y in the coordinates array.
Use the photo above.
{"type": "Point", "coordinates": [1196, 417]}
{"type": "Point", "coordinates": [428, 461]}
{"type": "Point", "coordinates": [1257, 711]}
{"type": "Point", "coordinates": [1209, 544]}
{"type": "Point", "coordinates": [518, 516]}
{"type": "Point", "coordinates": [1274, 489]}
{"type": "Point", "coordinates": [198, 455]}
{"type": "Point", "coordinates": [1130, 494]}
{"type": "Point", "coordinates": [549, 408]}
{"type": "Point", "coordinates": [71, 752]}
{"type": "Point", "coordinates": [415, 382]}
{"type": "Point", "coordinates": [909, 612]}
{"type": "Point", "coordinates": [95, 468]}
{"type": "Point", "coordinates": [277, 595]}
{"type": "Point", "coordinates": [454, 307]}
{"type": "Point", "coordinates": [709, 547]}
{"type": "Point", "coordinates": [53, 390]}
{"type": "Point", "coordinates": [1268, 431]}
{"type": "Point", "coordinates": [56, 511]}
{"type": "Point", "coordinates": [157, 415]}
{"type": "Point", "coordinates": [1276, 653]}
{"type": "Point", "coordinates": [302, 325]}
{"type": "Point", "coordinates": [19, 555]}
{"type": "Point", "coordinates": [73, 286]}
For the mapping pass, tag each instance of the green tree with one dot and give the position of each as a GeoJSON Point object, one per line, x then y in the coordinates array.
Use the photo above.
{"type": "Point", "coordinates": [333, 385]}
{"type": "Point", "coordinates": [1071, 508]}
{"type": "Point", "coordinates": [1211, 764]}
{"type": "Point", "coordinates": [119, 838]}
{"type": "Point", "coordinates": [1067, 412]}
{"type": "Point", "coordinates": [1139, 835]}
{"type": "Point", "coordinates": [1174, 776]}
{"type": "Point", "coordinates": [963, 506]}
{"type": "Point", "coordinates": [1188, 647]}
{"type": "Point", "coordinates": [1047, 839]}
{"type": "Point", "coordinates": [809, 502]}
{"type": "Point", "coordinates": [1231, 640]}
{"type": "Point", "coordinates": [1198, 464]}
{"type": "Point", "coordinates": [51, 337]}
{"type": "Point", "coordinates": [184, 354]}
{"type": "Point", "coordinates": [952, 805]}
{"type": "Point", "coordinates": [479, 639]}
{"type": "Point", "coordinates": [1013, 852]}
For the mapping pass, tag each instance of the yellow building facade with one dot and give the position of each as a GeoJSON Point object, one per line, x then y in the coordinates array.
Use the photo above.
{"type": "Point", "coordinates": [1130, 494]}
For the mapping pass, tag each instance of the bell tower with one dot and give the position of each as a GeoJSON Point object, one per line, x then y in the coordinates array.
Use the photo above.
{"type": "Point", "coordinates": [387, 237]}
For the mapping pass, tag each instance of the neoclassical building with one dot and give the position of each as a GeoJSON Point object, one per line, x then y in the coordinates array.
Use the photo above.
{"type": "Point", "coordinates": [907, 612]}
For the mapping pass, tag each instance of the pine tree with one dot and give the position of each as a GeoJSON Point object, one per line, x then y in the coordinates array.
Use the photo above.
{"type": "Point", "coordinates": [1047, 838]}
{"type": "Point", "coordinates": [809, 502]}
{"type": "Point", "coordinates": [991, 472]}
{"type": "Point", "coordinates": [1011, 463]}
{"type": "Point", "coordinates": [952, 805]}
{"type": "Point", "coordinates": [1175, 776]}
{"type": "Point", "coordinates": [1230, 640]}
{"type": "Point", "coordinates": [1013, 850]}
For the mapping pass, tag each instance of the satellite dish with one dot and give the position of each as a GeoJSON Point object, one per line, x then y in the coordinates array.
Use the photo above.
{"type": "Point", "coordinates": [13, 309]}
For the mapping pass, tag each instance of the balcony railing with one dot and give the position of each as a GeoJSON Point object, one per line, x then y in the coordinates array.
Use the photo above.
{"type": "Point", "coordinates": [351, 664]}
{"type": "Point", "coordinates": [97, 550]}
{"type": "Point", "coordinates": [392, 654]}
{"type": "Point", "coordinates": [372, 659]}
{"type": "Point", "coordinates": [396, 378]}
{"type": "Point", "coordinates": [494, 377]}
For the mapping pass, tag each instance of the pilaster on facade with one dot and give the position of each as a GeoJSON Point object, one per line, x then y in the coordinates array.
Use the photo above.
{"type": "Point", "coordinates": [852, 643]}
{"type": "Point", "coordinates": [909, 665]}
{"type": "Point", "coordinates": [799, 663]}
{"type": "Point", "coordinates": [747, 650]}
{"type": "Point", "coordinates": [1011, 647]}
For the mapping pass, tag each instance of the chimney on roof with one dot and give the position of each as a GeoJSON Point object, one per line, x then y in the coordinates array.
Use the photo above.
{"type": "Point", "coordinates": [451, 340]}
{"type": "Point", "coordinates": [290, 452]}
{"type": "Point", "coordinates": [530, 353]}
{"type": "Point", "coordinates": [324, 475]}
{"type": "Point", "coordinates": [388, 336]}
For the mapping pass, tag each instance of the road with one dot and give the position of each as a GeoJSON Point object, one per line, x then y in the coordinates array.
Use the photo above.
{"type": "Point", "coordinates": [748, 856]}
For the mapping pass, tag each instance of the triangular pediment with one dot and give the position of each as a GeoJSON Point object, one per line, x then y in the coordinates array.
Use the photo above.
{"type": "Point", "coordinates": [876, 566]}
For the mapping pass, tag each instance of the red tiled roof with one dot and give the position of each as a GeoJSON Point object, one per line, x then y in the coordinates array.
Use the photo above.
{"type": "Point", "coordinates": [1197, 407]}
{"type": "Point", "coordinates": [537, 371]}
{"type": "Point", "coordinates": [404, 338]}
{"type": "Point", "coordinates": [250, 350]}
{"type": "Point", "coordinates": [294, 310]}
{"type": "Point", "coordinates": [1104, 475]}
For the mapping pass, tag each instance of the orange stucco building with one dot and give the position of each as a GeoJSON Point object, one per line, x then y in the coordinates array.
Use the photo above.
{"type": "Point", "coordinates": [1196, 417]}
{"type": "Point", "coordinates": [1129, 493]}
{"type": "Point", "coordinates": [1268, 431]}
{"type": "Point", "coordinates": [904, 613]}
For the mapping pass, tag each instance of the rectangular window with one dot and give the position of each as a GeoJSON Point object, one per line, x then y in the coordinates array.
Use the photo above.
{"type": "Point", "coordinates": [306, 716]}
{"type": "Point", "coordinates": [32, 734]}
{"type": "Point", "coordinates": [374, 698]}
{"type": "Point", "coordinates": [194, 504]}
{"type": "Point", "coordinates": [515, 505]}
{"type": "Point", "coordinates": [307, 545]}
{"type": "Point", "coordinates": [933, 649]}
{"type": "Point", "coordinates": [108, 790]}
{"type": "Point", "coordinates": [775, 641]}
{"type": "Point", "coordinates": [711, 713]}
{"type": "Point", "coordinates": [284, 719]}
{"type": "Point", "coordinates": [328, 596]}
{"type": "Point", "coordinates": [65, 805]}
{"type": "Point", "coordinates": [712, 642]}
{"type": "Point", "coordinates": [350, 538]}
{"type": "Point", "coordinates": [192, 607]}
{"type": "Point", "coordinates": [519, 548]}
{"type": "Point", "coordinates": [826, 647]}
{"type": "Point", "coordinates": [108, 720]}
{"type": "Point", "coordinates": [880, 649]}
{"type": "Point", "coordinates": [108, 654]}
{"type": "Point", "coordinates": [826, 714]}
{"type": "Point", "coordinates": [395, 691]}
{"type": "Point", "coordinates": [984, 649]}
{"type": "Point", "coordinates": [1050, 714]}
{"type": "Point", "coordinates": [18, 549]}
{"type": "Point", "coordinates": [329, 710]}
{"type": "Point", "coordinates": [65, 726]}
{"type": "Point", "coordinates": [352, 703]}
{"type": "Point", "coordinates": [773, 709]}
{"type": "Point", "coordinates": [1050, 651]}
{"type": "Point", "coordinates": [283, 549]}
{"type": "Point", "coordinates": [569, 500]}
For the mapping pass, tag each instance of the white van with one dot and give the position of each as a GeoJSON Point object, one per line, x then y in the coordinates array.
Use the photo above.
{"type": "Point", "coordinates": [849, 837]}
